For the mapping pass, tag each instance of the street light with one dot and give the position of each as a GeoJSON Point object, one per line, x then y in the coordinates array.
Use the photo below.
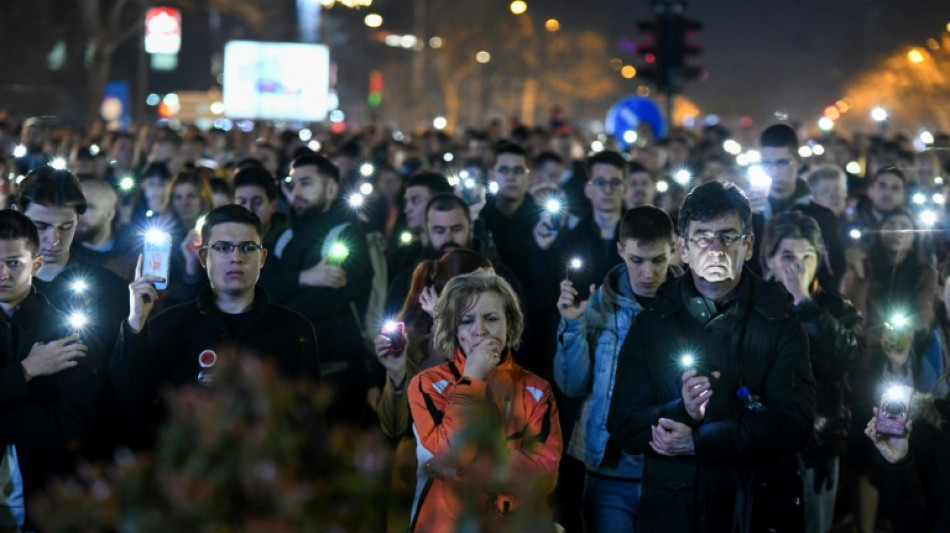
{"type": "Point", "coordinates": [518, 7]}
{"type": "Point", "coordinates": [483, 57]}
{"type": "Point", "coordinates": [628, 72]}
{"type": "Point", "coordinates": [436, 42]}
{"type": "Point", "coordinates": [552, 25]}
{"type": "Point", "coordinates": [879, 114]}
{"type": "Point", "coordinates": [915, 56]}
{"type": "Point", "coordinates": [373, 20]}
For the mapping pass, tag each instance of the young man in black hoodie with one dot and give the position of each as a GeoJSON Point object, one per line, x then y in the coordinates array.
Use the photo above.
{"type": "Point", "coordinates": [181, 345]}
{"type": "Point", "coordinates": [48, 388]}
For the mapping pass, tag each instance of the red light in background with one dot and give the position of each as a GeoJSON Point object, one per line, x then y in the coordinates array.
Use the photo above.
{"type": "Point", "coordinates": [832, 112]}
{"type": "Point", "coordinates": [649, 58]}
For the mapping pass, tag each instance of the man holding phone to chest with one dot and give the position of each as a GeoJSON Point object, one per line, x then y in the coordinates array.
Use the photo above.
{"type": "Point", "coordinates": [714, 384]}
{"type": "Point", "coordinates": [181, 345]}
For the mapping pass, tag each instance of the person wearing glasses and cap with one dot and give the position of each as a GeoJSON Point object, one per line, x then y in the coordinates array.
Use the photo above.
{"type": "Point", "coordinates": [714, 384]}
{"type": "Point", "coordinates": [181, 345]}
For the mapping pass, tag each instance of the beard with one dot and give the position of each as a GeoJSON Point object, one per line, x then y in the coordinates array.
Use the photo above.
{"type": "Point", "coordinates": [445, 248]}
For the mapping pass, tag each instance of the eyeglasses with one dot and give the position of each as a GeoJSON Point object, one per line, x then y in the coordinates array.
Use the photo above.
{"type": "Point", "coordinates": [727, 239]}
{"type": "Point", "coordinates": [517, 171]}
{"type": "Point", "coordinates": [603, 184]}
{"type": "Point", "coordinates": [225, 248]}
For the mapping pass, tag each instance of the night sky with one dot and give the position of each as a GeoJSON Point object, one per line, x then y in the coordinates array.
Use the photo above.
{"type": "Point", "coordinates": [797, 55]}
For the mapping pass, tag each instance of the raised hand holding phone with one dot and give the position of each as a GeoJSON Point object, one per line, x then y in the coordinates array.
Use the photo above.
{"type": "Point", "coordinates": [142, 296]}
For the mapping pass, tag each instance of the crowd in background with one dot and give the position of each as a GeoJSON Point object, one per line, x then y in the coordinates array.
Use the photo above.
{"type": "Point", "coordinates": [413, 210]}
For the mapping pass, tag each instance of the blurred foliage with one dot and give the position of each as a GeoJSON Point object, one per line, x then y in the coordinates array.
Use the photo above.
{"type": "Point", "coordinates": [253, 453]}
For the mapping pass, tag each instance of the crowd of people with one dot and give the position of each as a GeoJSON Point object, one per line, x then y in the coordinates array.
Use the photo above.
{"type": "Point", "coordinates": [654, 337]}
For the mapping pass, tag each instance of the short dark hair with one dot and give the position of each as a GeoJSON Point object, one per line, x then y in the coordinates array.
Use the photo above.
{"type": "Point", "coordinates": [156, 170]}
{"type": "Point", "coordinates": [711, 200]}
{"type": "Point", "coordinates": [48, 186]}
{"type": "Point", "coordinates": [508, 147]}
{"type": "Point", "coordinates": [324, 165]}
{"type": "Point", "coordinates": [636, 167]}
{"type": "Point", "coordinates": [546, 157]}
{"type": "Point", "coordinates": [780, 136]}
{"type": "Point", "coordinates": [448, 202]}
{"type": "Point", "coordinates": [257, 177]}
{"type": "Point", "coordinates": [220, 186]}
{"type": "Point", "coordinates": [889, 170]}
{"type": "Point", "coordinates": [230, 213]}
{"type": "Point", "coordinates": [435, 182]}
{"type": "Point", "coordinates": [15, 225]}
{"type": "Point", "coordinates": [791, 225]}
{"type": "Point", "coordinates": [248, 162]}
{"type": "Point", "coordinates": [646, 223]}
{"type": "Point", "coordinates": [607, 157]}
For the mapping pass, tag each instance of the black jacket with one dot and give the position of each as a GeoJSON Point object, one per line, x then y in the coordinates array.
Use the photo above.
{"type": "Point", "coordinates": [915, 492]}
{"type": "Point", "coordinates": [335, 313]}
{"type": "Point", "coordinates": [584, 241]}
{"type": "Point", "coordinates": [166, 352]}
{"type": "Point", "coordinates": [105, 300]}
{"type": "Point", "coordinates": [756, 342]}
{"type": "Point", "coordinates": [306, 248]}
{"type": "Point", "coordinates": [48, 418]}
{"type": "Point", "coordinates": [837, 347]}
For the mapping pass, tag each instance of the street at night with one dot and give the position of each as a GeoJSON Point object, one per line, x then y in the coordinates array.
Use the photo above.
{"type": "Point", "coordinates": [501, 265]}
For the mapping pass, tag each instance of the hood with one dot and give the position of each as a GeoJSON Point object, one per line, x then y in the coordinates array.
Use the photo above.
{"type": "Point", "coordinates": [618, 274]}
{"type": "Point", "coordinates": [768, 298]}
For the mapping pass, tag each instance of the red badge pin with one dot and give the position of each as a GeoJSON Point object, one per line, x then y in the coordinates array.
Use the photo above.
{"type": "Point", "coordinates": [207, 359]}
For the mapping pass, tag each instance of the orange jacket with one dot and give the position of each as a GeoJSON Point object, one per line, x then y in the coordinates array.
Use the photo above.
{"type": "Point", "coordinates": [523, 465]}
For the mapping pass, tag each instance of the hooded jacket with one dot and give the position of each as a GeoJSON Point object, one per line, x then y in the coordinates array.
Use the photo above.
{"type": "Point", "coordinates": [756, 342]}
{"type": "Point", "coordinates": [524, 412]}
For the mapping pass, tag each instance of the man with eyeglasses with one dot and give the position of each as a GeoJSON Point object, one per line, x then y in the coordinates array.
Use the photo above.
{"type": "Point", "coordinates": [232, 316]}
{"type": "Point", "coordinates": [779, 147]}
{"type": "Point", "coordinates": [714, 384]}
{"type": "Point", "coordinates": [594, 238]}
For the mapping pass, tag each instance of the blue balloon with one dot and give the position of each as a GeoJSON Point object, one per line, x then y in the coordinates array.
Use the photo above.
{"type": "Point", "coordinates": [627, 114]}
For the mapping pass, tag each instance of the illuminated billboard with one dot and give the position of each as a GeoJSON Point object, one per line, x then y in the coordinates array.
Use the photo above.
{"type": "Point", "coordinates": [272, 81]}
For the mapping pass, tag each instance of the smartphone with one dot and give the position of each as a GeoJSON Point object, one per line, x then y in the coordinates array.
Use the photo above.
{"type": "Point", "coordinates": [553, 215]}
{"type": "Point", "coordinates": [156, 258]}
{"type": "Point", "coordinates": [892, 414]}
{"type": "Point", "coordinates": [689, 361]}
{"type": "Point", "coordinates": [578, 272]}
{"type": "Point", "coordinates": [396, 333]}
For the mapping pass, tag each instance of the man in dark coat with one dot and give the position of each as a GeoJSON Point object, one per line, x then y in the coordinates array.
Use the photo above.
{"type": "Point", "coordinates": [181, 345]}
{"type": "Point", "coordinates": [48, 387]}
{"type": "Point", "coordinates": [714, 384]}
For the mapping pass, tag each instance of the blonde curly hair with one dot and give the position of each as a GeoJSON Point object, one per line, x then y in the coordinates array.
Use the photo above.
{"type": "Point", "coordinates": [459, 296]}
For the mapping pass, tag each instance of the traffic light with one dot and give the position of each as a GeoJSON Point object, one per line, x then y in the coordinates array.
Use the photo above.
{"type": "Point", "coordinates": [375, 97]}
{"type": "Point", "coordinates": [684, 30]}
{"type": "Point", "coordinates": [655, 70]}
{"type": "Point", "coordinates": [667, 49]}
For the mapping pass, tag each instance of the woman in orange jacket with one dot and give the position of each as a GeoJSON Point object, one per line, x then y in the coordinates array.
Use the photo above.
{"type": "Point", "coordinates": [487, 431]}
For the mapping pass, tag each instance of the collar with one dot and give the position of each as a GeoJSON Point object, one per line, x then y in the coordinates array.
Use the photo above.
{"type": "Point", "coordinates": [507, 361]}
